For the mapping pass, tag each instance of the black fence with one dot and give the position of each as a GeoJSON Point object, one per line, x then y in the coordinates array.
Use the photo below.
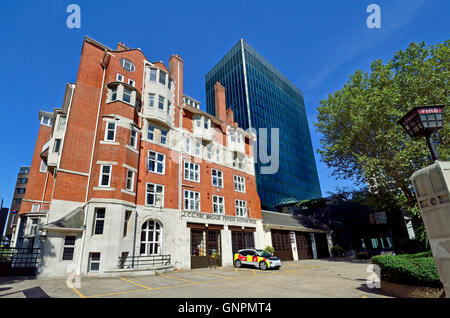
{"type": "Point", "coordinates": [18, 261]}
{"type": "Point", "coordinates": [143, 261]}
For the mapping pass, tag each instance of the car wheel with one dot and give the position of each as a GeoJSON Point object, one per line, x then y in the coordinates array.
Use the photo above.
{"type": "Point", "coordinates": [238, 263]}
{"type": "Point", "coordinates": [263, 265]}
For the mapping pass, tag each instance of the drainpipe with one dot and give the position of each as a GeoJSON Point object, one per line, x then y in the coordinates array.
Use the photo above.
{"type": "Point", "coordinates": [83, 239]}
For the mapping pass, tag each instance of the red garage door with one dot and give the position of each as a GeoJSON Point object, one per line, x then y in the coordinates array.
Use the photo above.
{"type": "Point", "coordinates": [281, 242]}
{"type": "Point", "coordinates": [304, 247]}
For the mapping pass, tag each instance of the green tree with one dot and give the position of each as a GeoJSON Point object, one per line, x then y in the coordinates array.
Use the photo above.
{"type": "Point", "coordinates": [361, 139]}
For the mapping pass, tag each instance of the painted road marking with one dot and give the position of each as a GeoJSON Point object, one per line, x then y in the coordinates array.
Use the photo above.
{"type": "Point", "coordinates": [134, 283]}
{"type": "Point", "coordinates": [183, 279]}
{"type": "Point", "coordinates": [74, 289]}
{"type": "Point", "coordinates": [210, 274]}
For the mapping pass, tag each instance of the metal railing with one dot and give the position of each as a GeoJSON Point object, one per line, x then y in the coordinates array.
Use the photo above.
{"type": "Point", "coordinates": [18, 261]}
{"type": "Point", "coordinates": [143, 261]}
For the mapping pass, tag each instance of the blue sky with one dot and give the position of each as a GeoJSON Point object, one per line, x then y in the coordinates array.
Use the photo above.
{"type": "Point", "coordinates": [316, 44]}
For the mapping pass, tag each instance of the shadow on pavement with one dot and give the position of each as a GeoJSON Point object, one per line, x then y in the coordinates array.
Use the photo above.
{"type": "Point", "coordinates": [35, 292]}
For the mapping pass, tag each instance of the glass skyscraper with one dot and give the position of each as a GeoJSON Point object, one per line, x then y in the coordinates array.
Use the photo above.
{"type": "Point", "coordinates": [261, 97]}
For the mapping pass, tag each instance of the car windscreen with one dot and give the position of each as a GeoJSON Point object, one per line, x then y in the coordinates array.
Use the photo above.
{"type": "Point", "coordinates": [264, 253]}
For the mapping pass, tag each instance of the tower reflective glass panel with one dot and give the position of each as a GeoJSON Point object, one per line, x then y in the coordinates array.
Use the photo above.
{"type": "Point", "coordinates": [261, 97]}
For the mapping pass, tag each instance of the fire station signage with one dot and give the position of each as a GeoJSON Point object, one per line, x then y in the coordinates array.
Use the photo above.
{"type": "Point", "coordinates": [216, 217]}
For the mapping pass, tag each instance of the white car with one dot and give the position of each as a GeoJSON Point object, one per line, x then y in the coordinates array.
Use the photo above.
{"type": "Point", "coordinates": [257, 258]}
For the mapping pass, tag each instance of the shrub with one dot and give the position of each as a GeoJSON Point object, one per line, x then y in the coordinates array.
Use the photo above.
{"type": "Point", "coordinates": [337, 250]}
{"type": "Point", "coordinates": [270, 250]}
{"type": "Point", "coordinates": [417, 269]}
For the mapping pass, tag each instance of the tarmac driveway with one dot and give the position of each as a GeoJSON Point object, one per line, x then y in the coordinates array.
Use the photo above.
{"type": "Point", "coordinates": [296, 279]}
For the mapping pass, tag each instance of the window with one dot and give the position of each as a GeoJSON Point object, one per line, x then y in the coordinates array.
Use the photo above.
{"type": "Point", "coordinates": [62, 123]}
{"type": "Point", "coordinates": [218, 205]}
{"type": "Point", "coordinates": [198, 122]}
{"type": "Point", "coordinates": [119, 77]}
{"type": "Point", "coordinates": [198, 147]}
{"type": "Point", "coordinates": [389, 241]}
{"type": "Point", "coordinates": [68, 248]}
{"type": "Point", "coordinates": [127, 95]}
{"type": "Point", "coordinates": [57, 145]}
{"type": "Point", "coordinates": [155, 195]}
{"type": "Point", "coordinates": [22, 180]}
{"type": "Point", "coordinates": [239, 184]}
{"type": "Point", "coordinates": [150, 132]}
{"type": "Point", "coordinates": [110, 133]}
{"type": "Point", "coordinates": [217, 178]}
{"type": "Point", "coordinates": [114, 93]}
{"type": "Point", "coordinates": [164, 136]}
{"type": "Point", "coordinates": [170, 83]}
{"type": "Point", "coordinates": [191, 200]}
{"type": "Point", "coordinates": [105, 176]}
{"type": "Point", "coordinates": [374, 243]}
{"type": "Point", "coordinates": [34, 225]}
{"type": "Point", "coordinates": [162, 77]}
{"type": "Point", "coordinates": [151, 238]}
{"type": "Point", "coordinates": [131, 82]}
{"type": "Point", "coordinates": [151, 100]}
{"type": "Point", "coordinates": [127, 65]}
{"type": "Point", "coordinates": [218, 155]}
{"type": "Point", "coordinates": [161, 102]}
{"type": "Point", "coordinates": [209, 151]}
{"type": "Point", "coordinates": [206, 123]}
{"type": "Point", "coordinates": [20, 190]}
{"type": "Point", "coordinates": [99, 221]}
{"type": "Point", "coordinates": [363, 244]}
{"type": "Point", "coordinates": [232, 137]}
{"type": "Point", "coordinates": [156, 162]}
{"type": "Point", "coordinates": [94, 262]}
{"type": "Point", "coordinates": [191, 171]}
{"type": "Point", "coordinates": [46, 121]}
{"type": "Point", "coordinates": [133, 138]}
{"type": "Point", "coordinates": [241, 208]}
{"type": "Point", "coordinates": [17, 201]}
{"type": "Point", "coordinates": [35, 207]}
{"type": "Point", "coordinates": [169, 105]}
{"type": "Point", "coordinates": [43, 167]}
{"type": "Point", "coordinates": [130, 180]}
{"type": "Point", "coordinates": [126, 222]}
{"type": "Point", "coordinates": [153, 72]}
{"type": "Point", "coordinates": [188, 145]}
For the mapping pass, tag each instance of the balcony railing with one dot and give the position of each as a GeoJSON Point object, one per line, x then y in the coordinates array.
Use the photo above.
{"type": "Point", "coordinates": [137, 262]}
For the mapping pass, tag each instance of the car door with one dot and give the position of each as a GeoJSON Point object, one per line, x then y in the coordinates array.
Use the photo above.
{"type": "Point", "coordinates": [243, 256]}
{"type": "Point", "coordinates": [252, 258]}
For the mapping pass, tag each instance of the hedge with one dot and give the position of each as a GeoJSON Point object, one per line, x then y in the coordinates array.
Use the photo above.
{"type": "Point", "coordinates": [416, 269]}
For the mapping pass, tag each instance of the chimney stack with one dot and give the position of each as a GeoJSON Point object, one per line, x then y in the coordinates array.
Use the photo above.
{"type": "Point", "coordinates": [219, 101]}
{"type": "Point", "coordinates": [121, 47]}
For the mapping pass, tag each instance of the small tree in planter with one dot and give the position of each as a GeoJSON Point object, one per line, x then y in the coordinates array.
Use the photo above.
{"type": "Point", "coordinates": [270, 250]}
{"type": "Point", "coordinates": [337, 251]}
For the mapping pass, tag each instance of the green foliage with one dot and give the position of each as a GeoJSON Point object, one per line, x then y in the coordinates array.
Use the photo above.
{"type": "Point", "coordinates": [270, 250]}
{"type": "Point", "coordinates": [417, 269]}
{"type": "Point", "coordinates": [361, 139]}
{"type": "Point", "coordinates": [337, 250]}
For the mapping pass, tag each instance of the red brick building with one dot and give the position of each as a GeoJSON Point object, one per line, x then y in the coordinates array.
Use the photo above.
{"type": "Point", "coordinates": [128, 172]}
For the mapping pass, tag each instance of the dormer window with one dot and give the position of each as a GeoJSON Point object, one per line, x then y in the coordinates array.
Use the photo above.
{"type": "Point", "coordinates": [127, 65]}
{"type": "Point", "coordinates": [48, 121]}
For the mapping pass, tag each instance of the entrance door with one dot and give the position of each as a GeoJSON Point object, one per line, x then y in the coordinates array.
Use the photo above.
{"type": "Point", "coordinates": [281, 242]}
{"type": "Point", "coordinates": [241, 240]}
{"type": "Point", "coordinates": [205, 248]}
{"type": "Point", "coordinates": [304, 248]}
{"type": "Point", "coordinates": [321, 245]}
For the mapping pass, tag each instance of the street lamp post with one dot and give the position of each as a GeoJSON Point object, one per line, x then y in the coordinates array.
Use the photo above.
{"type": "Point", "coordinates": [423, 121]}
{"type": "Point", "coordinates": [432, 187]}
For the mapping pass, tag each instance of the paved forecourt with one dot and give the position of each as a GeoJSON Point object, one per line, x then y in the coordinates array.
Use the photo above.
{"type": "Point", "coordinates": [299, 279]}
